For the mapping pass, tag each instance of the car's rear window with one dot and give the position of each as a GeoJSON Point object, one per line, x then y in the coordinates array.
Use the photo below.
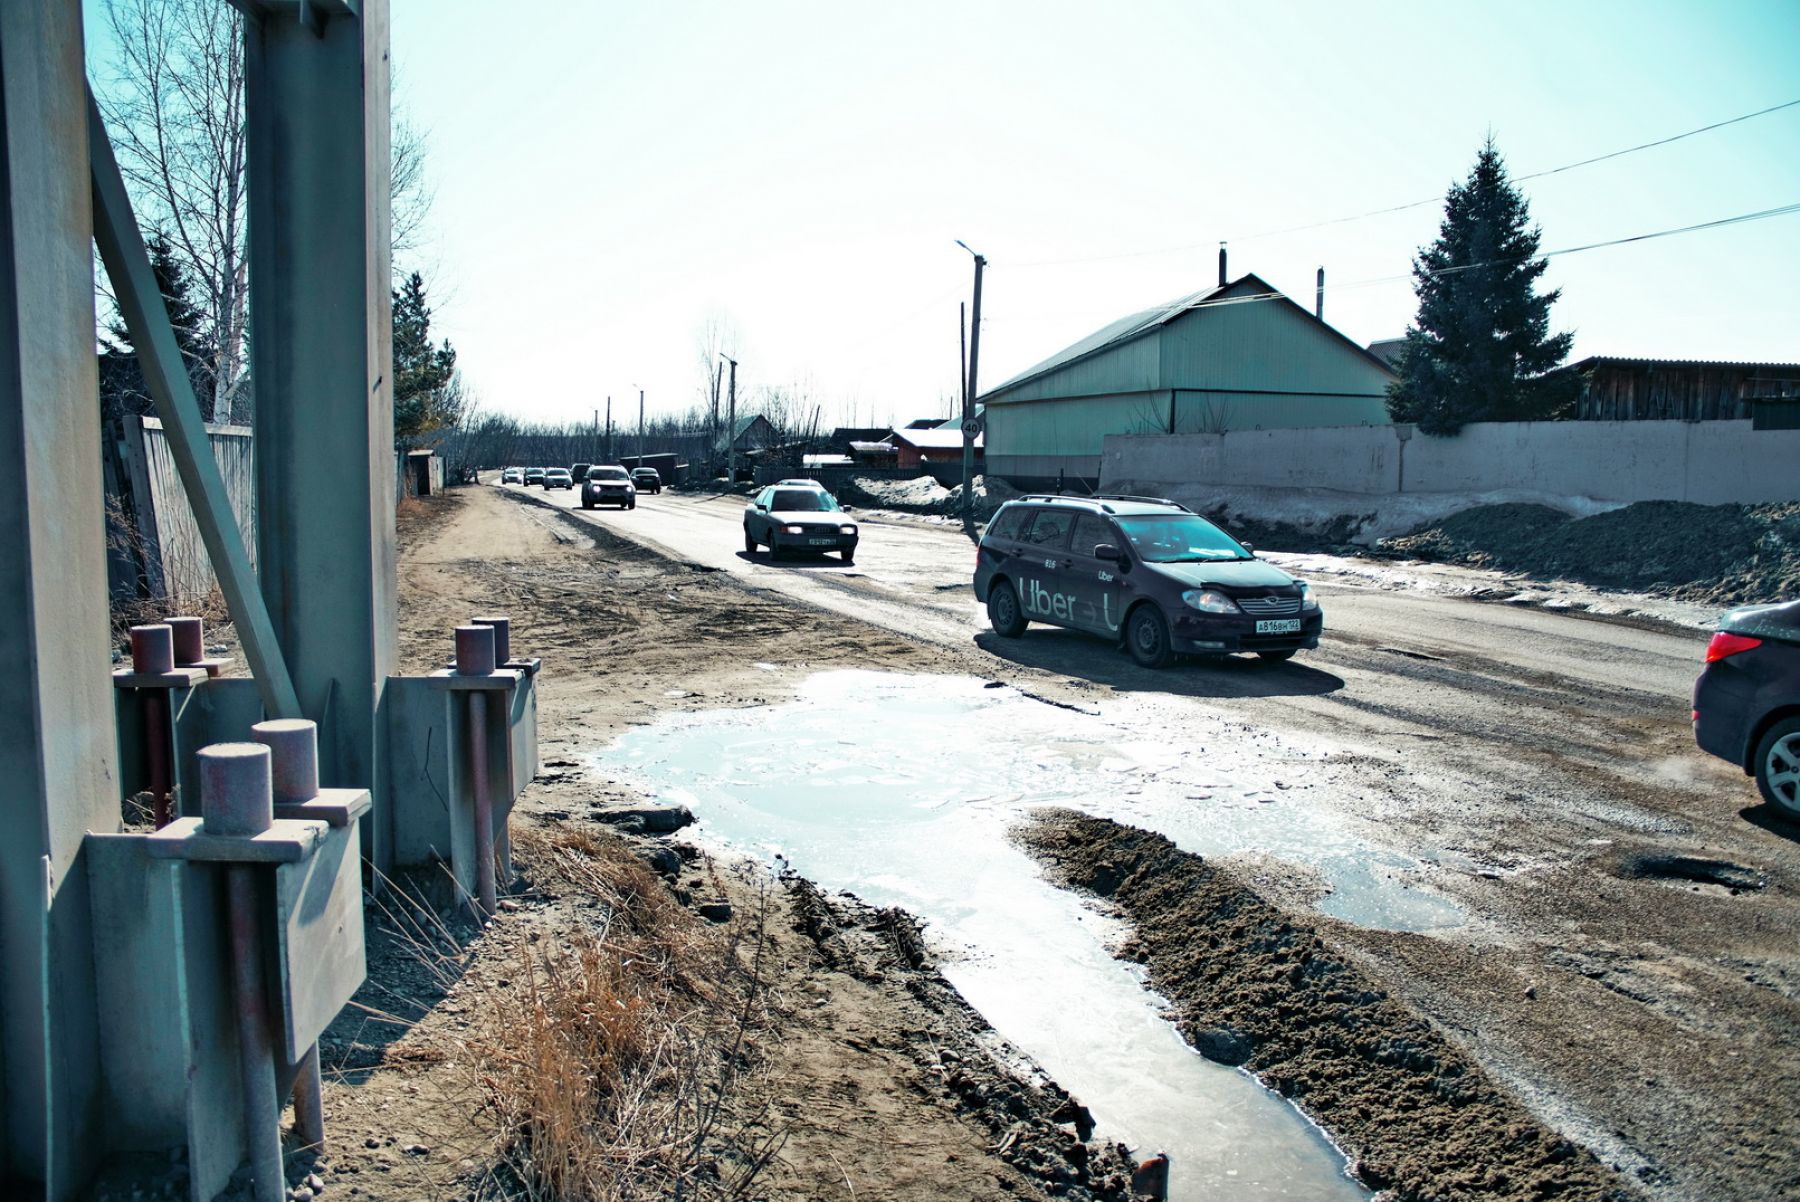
{"type": "Point", "coordinates": [1050, 528]}
{"type": "Point", "coordinates": [803, 500]}
{"type": "Point", "coordinates": [1179, 538]}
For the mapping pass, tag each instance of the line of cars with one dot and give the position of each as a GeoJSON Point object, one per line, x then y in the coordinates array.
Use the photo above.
{"type": "Point", "coordinates": [601, 484]}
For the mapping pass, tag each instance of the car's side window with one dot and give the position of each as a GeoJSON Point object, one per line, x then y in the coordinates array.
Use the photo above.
{"type": "Point", "coordinates": [1008, 523]}
{"type": "Point", "coordinates": [1050, 528]}
{"type": "Point", "coordinates": [1090, 531]}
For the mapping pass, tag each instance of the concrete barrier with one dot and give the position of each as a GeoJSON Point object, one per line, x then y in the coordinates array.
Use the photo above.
{"type": "Point", "coordinates": [1392, 478]}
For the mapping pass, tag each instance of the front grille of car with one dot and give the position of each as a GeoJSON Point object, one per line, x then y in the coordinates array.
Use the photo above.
{"type": "Point", "coordinates": [1269, 607]}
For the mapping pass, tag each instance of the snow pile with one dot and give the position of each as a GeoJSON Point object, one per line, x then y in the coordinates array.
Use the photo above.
{"type": "Point", "coordinates": [924, 495]}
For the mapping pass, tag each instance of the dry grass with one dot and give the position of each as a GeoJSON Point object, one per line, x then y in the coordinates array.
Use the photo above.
{"type": "Point", "coordinates": [607, 1060]}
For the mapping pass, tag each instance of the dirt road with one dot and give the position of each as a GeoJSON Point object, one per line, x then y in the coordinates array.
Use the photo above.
{"type": "Point", "coordinates": [1607, 921]}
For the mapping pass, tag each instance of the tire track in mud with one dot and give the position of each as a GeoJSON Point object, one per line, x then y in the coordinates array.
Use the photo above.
{"type": "Point", "coordinates": [1251, 986]}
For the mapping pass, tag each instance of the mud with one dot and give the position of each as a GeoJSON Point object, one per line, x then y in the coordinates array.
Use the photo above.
{"type": "Point", "coordinates": [1251, 985]}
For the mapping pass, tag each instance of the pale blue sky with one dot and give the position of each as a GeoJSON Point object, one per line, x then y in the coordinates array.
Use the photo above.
{"type": "Point", "coordinates": [608, 175]}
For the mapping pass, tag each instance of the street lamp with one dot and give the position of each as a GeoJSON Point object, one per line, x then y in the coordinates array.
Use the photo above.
{"type": "Point", "coordinates": [731, 426]}
{"type": "Point", "coordinates": [971, 426]}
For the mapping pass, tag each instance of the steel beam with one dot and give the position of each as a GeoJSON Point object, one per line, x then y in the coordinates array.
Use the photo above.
{"type": "Point", "coordinates": [57, 753]}
{"type": "Point", "coordinates": [147, 317]}
{"type": "Point", "coordinates": [320, 345]}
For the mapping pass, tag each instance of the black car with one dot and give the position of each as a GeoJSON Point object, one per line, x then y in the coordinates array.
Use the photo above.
{"type": "Point", "coordinates": [1747, 700]}
{"type": "Point", "coordinates": [798, 515]}
{"type": "Point", "coordinates": [608, 484]}
{"type": "Point", "coordinates": [1143, 570]}
{"type": "Point", "coordinates": [647, 479]}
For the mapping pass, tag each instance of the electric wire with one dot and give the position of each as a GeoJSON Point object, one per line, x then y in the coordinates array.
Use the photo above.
{"type": "Point", "coordinates": [1413, 204]}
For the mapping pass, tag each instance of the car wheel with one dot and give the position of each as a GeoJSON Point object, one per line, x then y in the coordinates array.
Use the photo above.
{"type": "Point", "coordinates": [587, 504]}
{"type": "Point", "coordinates": [1778, 766]}
{"type": "Point", "coordinates": [631, 505]}
{"type": "Point", "coordinates": [1004, 612]}
{"type": "Point", "coordinates": [849, 555]}
{"type": "Point", "coordinates": [1147, 637]}
{"type": "Point", "coordinates": [1275, 657]}
{"type": "Point", "coordinates": [774, 551]}
{"type": "Point", "coordinates": [749, 543]}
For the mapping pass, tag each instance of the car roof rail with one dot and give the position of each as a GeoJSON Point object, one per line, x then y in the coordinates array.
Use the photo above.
{"type": "Point", "coordinates": [1046, 496]}
{"type": "Point", "coordinates": [1119, 496]}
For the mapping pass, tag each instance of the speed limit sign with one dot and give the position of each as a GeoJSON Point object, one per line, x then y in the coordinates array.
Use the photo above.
{"type": "Point", "coordinates": [972, 427]}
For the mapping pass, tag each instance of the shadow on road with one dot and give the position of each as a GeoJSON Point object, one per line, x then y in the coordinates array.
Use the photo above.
{"type": "Point", "coordinates": [1771, 820]}
{"type": "Point", "coordinates": [1091, 658]}
{"type": "Point", "coordinates": [792, 560]}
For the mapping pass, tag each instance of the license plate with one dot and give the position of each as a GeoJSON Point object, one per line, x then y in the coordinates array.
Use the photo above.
{"type": "Point", "coordinates": [1278, 626]}
{"type": "Point", "coordinates": [821, 542]}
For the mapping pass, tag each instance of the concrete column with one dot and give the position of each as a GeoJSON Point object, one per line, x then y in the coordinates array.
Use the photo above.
{"type": "Point", "coordinates": [321, 347]}
{"type": "Point", "coordinates": [57, 753]}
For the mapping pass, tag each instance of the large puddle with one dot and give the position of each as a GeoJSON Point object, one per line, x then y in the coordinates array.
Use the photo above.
{"type": "Point", "coordinates": [901, 789]}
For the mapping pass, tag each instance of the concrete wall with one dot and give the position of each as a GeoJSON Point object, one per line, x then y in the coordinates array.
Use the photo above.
{"type": "Point", "coordinates": [1708, 463]}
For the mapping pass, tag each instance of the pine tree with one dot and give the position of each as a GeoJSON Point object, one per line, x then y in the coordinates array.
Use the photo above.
{"type": "Point", "coordinates": [122, 388]}
{"type": "Point", "coordinates": [425, 392]}
{"type": "Point", "coordinates": [1481, 344]}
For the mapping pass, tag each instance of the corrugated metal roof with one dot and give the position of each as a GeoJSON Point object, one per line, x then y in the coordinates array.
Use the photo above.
{"type": "Point", "coordinates": [1122, 330]}
{"type": "Point", "coordinates": [1138, 324]}
{"type": "Point", "coordinates": [937, 438]}
{"type": "Point", "coordinates": [1632, 361]}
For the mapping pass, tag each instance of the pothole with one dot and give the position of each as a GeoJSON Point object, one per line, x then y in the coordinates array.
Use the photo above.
{"type": "Point", "coordinates": [1411, 654]}
{"type": "Point", "coordinates": [1694, 873]}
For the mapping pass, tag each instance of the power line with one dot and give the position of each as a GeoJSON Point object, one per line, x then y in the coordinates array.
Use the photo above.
{"type": "Point", "coordinates": [1718, 223]}
{"type": "Point", "coordinates": [1415, 204]}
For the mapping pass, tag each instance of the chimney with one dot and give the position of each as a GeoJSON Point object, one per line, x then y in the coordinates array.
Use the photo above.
{"type": "Point", "coordinates": [1221, 264]}
{"type": "Point", "coordinates": [1319, 297]}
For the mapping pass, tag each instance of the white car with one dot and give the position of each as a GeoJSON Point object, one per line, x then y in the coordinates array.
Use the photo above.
{"type": "Point", "coordinates": [798, 515]}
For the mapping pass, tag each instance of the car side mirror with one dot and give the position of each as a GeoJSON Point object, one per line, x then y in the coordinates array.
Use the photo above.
{"type": "Point", "coordinates": [762, 507]}
{"type": "Point", "coordinates": [1249, 549]}
{"type": "Point", "coordinates": [1108, 552]}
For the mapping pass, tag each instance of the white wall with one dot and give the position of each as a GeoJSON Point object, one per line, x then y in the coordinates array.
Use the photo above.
{"type": "Point", "coordinates": [1573, 465]}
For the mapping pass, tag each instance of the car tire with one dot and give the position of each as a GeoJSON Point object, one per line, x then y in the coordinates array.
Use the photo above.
{"type": "Point", "coordinates": [587, 504]}
{"type": "Point", "coordinates": [749, 543]}
{"type": "Point", "coordinates": [1275, 657]}
{"type": "Point", "coordinates": [1777, 766]}
{"type": "Point", "coordinates": [631, 505]}
{"type": "Point", "coordinates": [849, 555]}
{"type": "Point", "coordinates": [1005, 614]}
{"type": "Point", "coordinates": [1147, 637]}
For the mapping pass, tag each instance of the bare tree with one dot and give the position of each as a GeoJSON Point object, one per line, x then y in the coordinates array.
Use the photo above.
{"type": "Point", "coordinates": [175, 110]}
{"type": "Point", "coordinates": [173, 100]}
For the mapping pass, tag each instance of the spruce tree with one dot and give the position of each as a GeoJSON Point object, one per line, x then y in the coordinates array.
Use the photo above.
{"type": "Point", "coordinates": [424, 398]}
{"type": "Point", "coordinates": [1481, 344]}
{"type": "Point", "coordinates": [122, 388]}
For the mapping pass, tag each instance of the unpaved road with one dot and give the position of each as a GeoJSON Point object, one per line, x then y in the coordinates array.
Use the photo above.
{"type": "Point", "coordinates": [1627, 958]}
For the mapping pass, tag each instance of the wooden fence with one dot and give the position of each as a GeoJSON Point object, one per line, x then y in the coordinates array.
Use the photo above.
{"type": "Point", "coordinates": [161, 555]}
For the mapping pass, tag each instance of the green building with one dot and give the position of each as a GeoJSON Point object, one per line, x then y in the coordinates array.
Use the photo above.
{"type": "Point", "coordinates": [1240, 356]}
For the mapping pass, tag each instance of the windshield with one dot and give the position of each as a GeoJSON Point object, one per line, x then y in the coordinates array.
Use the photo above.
{"type": "Point", "coordinates": [1179, 538]}
{"type": "Point", "coordinates": [798, 500]}
{"type": "Point", "coordinates": [607, 473]}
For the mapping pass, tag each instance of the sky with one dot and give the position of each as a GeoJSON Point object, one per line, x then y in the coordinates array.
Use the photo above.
{"type": "Point", "coordinates": [609, 178]}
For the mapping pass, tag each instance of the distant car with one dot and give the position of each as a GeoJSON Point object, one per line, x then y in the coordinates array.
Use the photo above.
{"type": "Point", "coordinates": [608, 485]}
{"type": "Point", "coordinates": [534, 475]}
{"type": "Point", "coordinates": [1148, 572]}
{"type": "Point", "coordinates": [1747, 699]}
{"type": "Point", "coordinates": [579, 471]}
{"type": "Point", "coordinates": [556, 477]}
{"type": "Point", "coordinates": [798, 515]}
{"type": "Point", "coordinates": [647, 479]}
{"type": "Point", "coordinates": [513, 475]}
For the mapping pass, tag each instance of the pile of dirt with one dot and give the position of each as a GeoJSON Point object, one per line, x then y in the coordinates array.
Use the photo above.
{"type": "Point", "coordinates": [1717, 554]}
{"type": "Point", "coordinates": [1333, 537]}
{"type": "Point", "coordinates": [1253, 987]}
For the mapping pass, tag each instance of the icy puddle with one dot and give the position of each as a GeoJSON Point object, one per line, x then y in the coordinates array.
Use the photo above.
{"type": "Point", "coordinates": [901, 789]}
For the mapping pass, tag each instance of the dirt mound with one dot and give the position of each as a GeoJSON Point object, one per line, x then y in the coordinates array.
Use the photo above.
{"type": "Point", "coordinates": [924, 495]}
{"type": "Point", "coordinates": [1722, 554]}
{"type": "Point", "coordinates": [1253, 987]}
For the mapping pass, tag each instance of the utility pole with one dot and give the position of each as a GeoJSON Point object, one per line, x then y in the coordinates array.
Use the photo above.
{"type": "Point", "coordinates": [962, 353]}
{"type": "Point", "coordinates": [731, 426]}
{"type": "Point", "coordinates": [970, 427]}
{"type": "Point", "coordinates": [597, 432]}
{"type": "Point", "coordinates": [712, 441]}
{"type": "Point", "coordinates": [640, 461]}
{"type": "Point", "coordinates": [609, 450]}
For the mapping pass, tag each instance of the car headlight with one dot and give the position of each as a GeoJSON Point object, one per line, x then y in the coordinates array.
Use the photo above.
{"type": "Point", "coordinates": [793, 529]}
{"type": "Point", "coordinates": [1209, 601]}
{"type": "Point", "coordinates": [1308, 602]}
{"type": "Point", "coordinates": [846, 529]}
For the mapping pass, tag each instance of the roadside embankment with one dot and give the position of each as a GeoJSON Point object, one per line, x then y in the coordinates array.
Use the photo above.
{"type": "Point", "coordinates": [1251, 986]}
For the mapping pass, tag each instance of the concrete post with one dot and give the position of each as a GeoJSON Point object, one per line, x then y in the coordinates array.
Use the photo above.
{"type": "Point", "coordinates": [321, 355]}
{"type": "Point", "coordinates": [57, 753]}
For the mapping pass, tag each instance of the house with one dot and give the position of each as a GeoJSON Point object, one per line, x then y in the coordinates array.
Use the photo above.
{"type": "Point", "coordinates": [843, 437]}
{"type": "Point", "coordinates": [752, 433]}
{"type": "Point", "coordinates": [1618, 389]}
{"type": "Point", "coordinates": [1239, 356]}
{"type": "Point", "coordinates": [932, 444]}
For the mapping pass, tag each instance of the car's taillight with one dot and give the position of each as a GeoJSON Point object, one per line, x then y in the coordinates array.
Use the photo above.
{"type": "Point", "coordinates": [1726, 644]}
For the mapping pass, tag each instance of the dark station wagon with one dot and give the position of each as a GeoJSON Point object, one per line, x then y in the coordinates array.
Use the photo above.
{"type": "Point", "coordinates": [1142, 570]}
